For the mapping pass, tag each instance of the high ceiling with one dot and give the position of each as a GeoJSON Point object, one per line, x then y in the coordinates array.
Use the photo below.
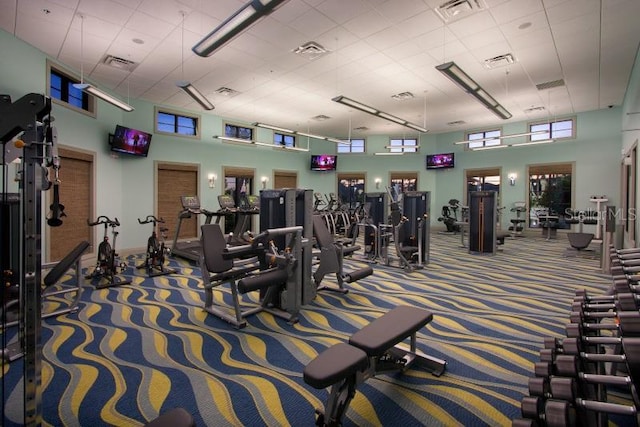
{"type": "Point", "coordinates": [375, 49]}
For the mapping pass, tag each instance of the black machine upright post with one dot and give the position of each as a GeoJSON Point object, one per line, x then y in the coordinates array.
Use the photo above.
{"type": "Point", "coordinates": [30, 114]}
{"type": "Point", "coordinates": [482, 222]}
{"type": "Point", "coordinates": [416, 207]}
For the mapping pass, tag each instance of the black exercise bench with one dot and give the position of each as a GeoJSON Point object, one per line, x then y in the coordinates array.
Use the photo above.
{"type": "Point", "coordinates": [73, 260]}
{"type": "Point", "coordinates": [373, 349]}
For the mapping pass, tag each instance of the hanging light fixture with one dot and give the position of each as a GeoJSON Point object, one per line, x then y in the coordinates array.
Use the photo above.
{"type": "Point", "coordinates": [89, 88]}
{"type": "Point", "coordinates": [462, 79]}
{"type": "Point", "coordinates": [185, 85]}
{"type": "Point", "coordinates": [375, 112]}
{"type": "Point", "coordinates": [242, 19]}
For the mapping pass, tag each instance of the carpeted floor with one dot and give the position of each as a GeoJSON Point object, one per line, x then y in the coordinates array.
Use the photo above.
{"type": "Point", "coordinates": [138, 350]}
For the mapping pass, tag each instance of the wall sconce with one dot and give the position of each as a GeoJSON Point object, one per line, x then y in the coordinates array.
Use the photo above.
{"type": "Point", "coordinates": [212, 180]}
{"type": "Point", "coordinates": [378, 181]}
{"type": "Point", "coordinates": [264, 181]}
{"type": "Point", "coordinates": [512, 178]}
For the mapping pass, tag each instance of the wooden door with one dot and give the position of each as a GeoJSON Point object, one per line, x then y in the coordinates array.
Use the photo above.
{"type": "Point", "coordinates": [76, 195]}
{"type": "Point", "coordinates": [173, 182]}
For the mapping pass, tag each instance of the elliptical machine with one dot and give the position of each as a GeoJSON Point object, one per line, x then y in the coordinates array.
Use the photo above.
{"type": "Point", "coordinates": [106, 265]}
{"type": "Point", "coordinates": [450, 216]}
{"type": "Point", "coordinates": [156, 250]}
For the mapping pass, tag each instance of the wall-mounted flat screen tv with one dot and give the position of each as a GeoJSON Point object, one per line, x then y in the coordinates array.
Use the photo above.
{"type": "Point", "coordinates": [130, 141]}
{"type": "Point", "coordinates": [440, 161]}
{"type": "Point", "coordinates": [324, 162]}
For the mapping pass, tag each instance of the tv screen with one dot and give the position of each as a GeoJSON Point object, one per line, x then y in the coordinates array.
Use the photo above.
{"type": "Point", "coordinates": [324, 162]}
{"type": "Point", "coordinates": [440, 161]}
{"type": "Point", "coordinates": [130, 141]}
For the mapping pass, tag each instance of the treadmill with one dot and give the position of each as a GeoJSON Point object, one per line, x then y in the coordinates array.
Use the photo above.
{"type": "Point", "coordinates": [189, 249]}
{"type": "Point", "coordinates": [250, 206]}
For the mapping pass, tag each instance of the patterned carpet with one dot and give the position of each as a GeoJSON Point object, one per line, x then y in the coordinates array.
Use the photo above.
{"type": "Point", "coordinates": [138, 350]}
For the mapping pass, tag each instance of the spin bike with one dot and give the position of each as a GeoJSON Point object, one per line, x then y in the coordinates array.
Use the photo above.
{"type": "Point", "coordinates": [106, 266]}
{"type": "Point", "coordinates": [156, 250]}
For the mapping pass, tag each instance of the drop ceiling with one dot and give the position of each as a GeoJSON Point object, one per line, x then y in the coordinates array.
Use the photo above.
{"type": "Point", "coordinates": [381, 53]}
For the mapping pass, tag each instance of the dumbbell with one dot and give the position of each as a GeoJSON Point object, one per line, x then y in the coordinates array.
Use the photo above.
{"type": "Point", "coordinates": [625, 323]}
{"type": "Point", "coordinates": [570, 364]}
{"type": "Point", "coordinates": [568, 390]}
{"type": "Point", "coordinates": [544, 412]}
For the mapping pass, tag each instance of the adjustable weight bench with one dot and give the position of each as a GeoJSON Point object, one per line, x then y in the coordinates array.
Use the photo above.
{"type": "Point", "coordinates": [73, 260]}
{"type": "Point", "coordinates": [372, 350]}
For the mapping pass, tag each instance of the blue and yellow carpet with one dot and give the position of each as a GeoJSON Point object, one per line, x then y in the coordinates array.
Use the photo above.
{"type": "Point", "coordinates": [135, 351]}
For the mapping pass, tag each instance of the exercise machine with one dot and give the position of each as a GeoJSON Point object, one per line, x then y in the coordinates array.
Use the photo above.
{"type": "Point", "coordinates": [156, 250]}
{"type": "Point", "coordinates": [482, 222]}
{"type": "Point", "coordinates": [26, 131]}
{"type": "Point", "coordinates": [331, 259]}
{"type": "Point", "coordinates": [105, 273]}
{"type": "Point", "coordinates": [259, 266]}
{"type": "Point", "coordinates": [449, 216]}
{"type": "Point", "coordinates": [517, 223]}
{"type": "Point", "coordinates": [292, 207]}
{"type": "Point", "coordinates": [372, 350]}
{"type": "Point", "coordinates": [241, 234]}
{"type": "Point", "coordinates": [10, 309]}
{"type": "Point", "coordinates": [190, 249]}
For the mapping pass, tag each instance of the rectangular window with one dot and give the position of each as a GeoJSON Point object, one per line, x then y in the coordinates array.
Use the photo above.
{"type": "Point", "coordinates": [403, 145]}
{"type": "Point", "coordinates": [240, 132]}
{"type": "Point", "coordinates": [357, 146]}
{"type": "Point", "coordinates": [483, 139]}
{"type": "Point", "coordinates": [555, 129]}
{"type": "Point", "coordinates": [284, 140]}
{"type": "Point", "coordinates": [177, 124]}
{"type": "Point", "coordinates": [62, 89]}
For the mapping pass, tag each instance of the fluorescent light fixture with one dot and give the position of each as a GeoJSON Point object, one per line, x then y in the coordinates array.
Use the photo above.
{"type": "Point", "coordinates": [403, 147]}
{"type": "Point", "coordinates": [375, 112]}
{"type": "Point", "coordinates": [462, 79]}
{"type": "Point", "coordinates": [491, 138]}
{"type": "Point", "coordinates": [542, 141]}
{"type": "Point", "coordinates": [490, 147]}
{"type": "Point", "coordinates": [86, 87]}
{"type": "Point", "coordinates": [195, 94]}
{"type": "Point", "coordinates": [387, 153]}
{"type": "Point", "coordinates": [232, 139]}
{"type": "Point", "coordinates": [276, 128]}
{"type": "Point", "coordinates": [391, 118]}
{"type": "Point", "coordinates": [258, 143]}
{"type": "Point", "coordinates": [242, 19]}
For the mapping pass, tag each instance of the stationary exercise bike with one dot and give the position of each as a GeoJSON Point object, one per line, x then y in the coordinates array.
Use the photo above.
{"type": "Point", "coordinates": [156, 250]}
{"type": "Point", "coordinates": [106, 269]}
{"type": "Point", "coordinates": [450, 216]}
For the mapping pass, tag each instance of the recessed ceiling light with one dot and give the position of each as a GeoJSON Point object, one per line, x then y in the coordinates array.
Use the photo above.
{"type": "Point", "coordinates": [137, 41]}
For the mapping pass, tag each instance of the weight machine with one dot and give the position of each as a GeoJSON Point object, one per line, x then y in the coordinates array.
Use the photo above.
{"type": "Point", "coordinates": [28, 118]}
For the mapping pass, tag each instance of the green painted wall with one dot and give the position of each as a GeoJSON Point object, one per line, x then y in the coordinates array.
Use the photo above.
{"type": "Point", "coordinates": [126, 185]}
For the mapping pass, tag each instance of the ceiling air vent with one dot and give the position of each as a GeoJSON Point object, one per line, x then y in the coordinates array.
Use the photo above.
{"type": "Point", "coordinates": [311, 50]}
{"type": "Point", "coordinates": [361, 128]}
{"type": "Point", "coordinates": [456, 9]}
{"type": "Point", "coordinates": [550, 85]}
{"type": "Point", "coordinates": [534, 110]}
{"type": "Point", "coordinates": [499, 61]}
{"type": "Point", "coordinates": [320, 118]}
{"type": "Point", "coordinates": [403, 96]}
{"type": "Point", "coordinates": [457, 123]}
{"type": "Point", "coordinates": [225, 91]}
{"type": "Point", "coordinates": [120, 63]}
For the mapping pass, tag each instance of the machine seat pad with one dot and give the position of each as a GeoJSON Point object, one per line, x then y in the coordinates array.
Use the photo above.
{"type": "Point", "coordinates": [334, 364]}
{"type": "Point", "coordinates": [390, 329]}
